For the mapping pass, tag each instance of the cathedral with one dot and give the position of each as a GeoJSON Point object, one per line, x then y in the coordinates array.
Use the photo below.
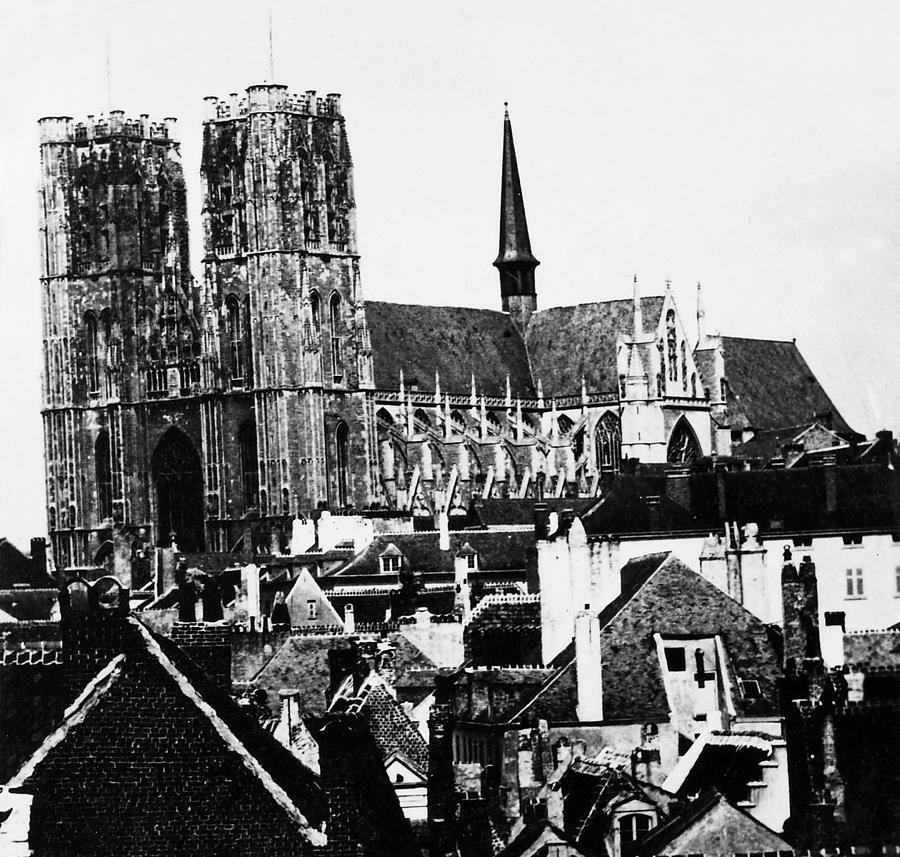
{"type": "Point", "coordinates": [210, 413]}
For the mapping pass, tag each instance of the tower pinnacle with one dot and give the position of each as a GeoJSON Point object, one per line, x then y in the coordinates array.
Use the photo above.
{"type": "Point", "coordinates": [514, 261]}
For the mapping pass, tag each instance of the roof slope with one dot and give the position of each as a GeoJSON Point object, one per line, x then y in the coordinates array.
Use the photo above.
{"type": "Point", "coordinates": [770, 385]}
{"type": "Point", "coordinates": [571, 342]}
{"type": "Point", "coordinates": [455, 341]}
{"type": "Point", "coordinates": [660, 593]}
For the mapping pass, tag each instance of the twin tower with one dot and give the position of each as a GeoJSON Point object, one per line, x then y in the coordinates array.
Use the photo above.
{"type": "Point", "coordinates": [188, 412]}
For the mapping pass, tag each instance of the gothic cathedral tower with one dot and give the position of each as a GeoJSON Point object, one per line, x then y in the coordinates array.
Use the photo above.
{"type": "Point", "coordinates": [120, 319]}
{"type": "Point", "coordinates": [282, 270]}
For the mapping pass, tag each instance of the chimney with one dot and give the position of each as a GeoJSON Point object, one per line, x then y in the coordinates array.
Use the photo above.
{"type": "Point", "coordinates": [341, 663]}
{"type": "Point", "coordinates": [250, 591]}
{"type": "Point", "coordinates": [721, 497]}
{"type": "Point", "coordinates": [831, 498]}
{"type": "Point", "coordinates": [653, 516]}
{"type": "Point", "coordinates": [462, 602]}
{"type": "Point", "coordinates": [678, 486]}
{"type": "Point", "coordinates": [441, 790]}
{"type": "Point", "coordinates": [386, 660]}
{"type": "Point", "coordinates": [800, 611]}
{"type": "Point", "coordinates": [349, 619]}
{"type": "Point", "coordinates": [443, 531]}
{"type": "Point", "coordinates": [588, 666]}
{"type": "Point", "coordinates": [38, 559]}
{"type": "Point", "coordinates": [541, 521]}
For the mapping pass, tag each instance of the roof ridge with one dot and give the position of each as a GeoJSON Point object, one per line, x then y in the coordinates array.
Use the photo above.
{"type": "Point", "coordinates": [74, 715]}
{"type": "Point", "coordinates": [233, 742]}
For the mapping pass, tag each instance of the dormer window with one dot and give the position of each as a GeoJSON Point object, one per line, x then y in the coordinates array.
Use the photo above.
{"type": "Point", "coordinates": [392, 559]}
{"type": "Point", "coordinates": [469, 555]}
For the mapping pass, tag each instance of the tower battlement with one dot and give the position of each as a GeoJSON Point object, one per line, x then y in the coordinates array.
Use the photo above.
{"type": "Point", "coordinates": [64, 129]}
{"type": "Point", "coordinates": [270, 98]}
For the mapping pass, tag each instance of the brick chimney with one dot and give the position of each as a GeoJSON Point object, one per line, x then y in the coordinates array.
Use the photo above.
{"type": "Point", "coordinates": [800, 611]}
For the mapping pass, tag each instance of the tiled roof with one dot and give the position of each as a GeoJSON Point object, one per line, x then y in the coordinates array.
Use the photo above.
{"type": "Point", "coordinates": [455, 341]}
{"type": "Point", "coordinates": [566, 343]}
{"type": "Point", "coordinates": [770, 385]}
{"type": "Point", "coordinates": [26, 604]}
{"type": "Point", "coordinates": [660, 593]}
{"type": "Point", "coordinates": [504, 630]}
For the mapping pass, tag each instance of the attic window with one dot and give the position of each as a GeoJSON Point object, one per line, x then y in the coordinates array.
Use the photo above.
{"type": "Point", "coordinates": [312, 609]}
{"type": "Point", "coordinates": [675, 659]}
{"type": "Point", "coordinates": [749, 688]}
{"type": "Point", "coordinates": [391, 562]}
{"type": "Point", "coordinates": [470, 560]}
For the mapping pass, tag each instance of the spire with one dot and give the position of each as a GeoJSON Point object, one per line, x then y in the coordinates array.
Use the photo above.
{"type": "Point", "coordinates": [638, 312]}
{"type": "Point", "coordinates": [437, 387]}
{"type": "Point", "coordinates": [508, 392]}
{"type": "Point", "coordinates": [473, 398]}
{"type": "Point", "coordinates": [514, 261]}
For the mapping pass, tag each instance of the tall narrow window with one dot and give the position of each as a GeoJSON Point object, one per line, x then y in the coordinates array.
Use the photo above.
{"type": "Point", "coordinates": [104, 476]}
{"type": "Point", "coordinates": [92, 347]}
{"type": "Point", "coordinates": [608, 443]}
{"type": "Point", "coordinates": [683, 365]}
{"type": "Point", "coordinates": [235, 338]}
{"type": "Point", "coordinates": [671, 339]}
{"type": "Point", "coordinates": [855, 588]}
{"type": "Point", "coordinates": [337, 362]}
{"type": "Point", "coordinates": [315, 310]}
{"type": "Point", "coordinates": [249, 464]}
{"type": "Point", "coordinates": [342, 457]}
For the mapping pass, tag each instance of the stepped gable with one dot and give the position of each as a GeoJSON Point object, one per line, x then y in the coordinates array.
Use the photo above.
{"type": "Point", "coordinates": [711, 826]}
{"type": "Point", "coordinates": [454, 341]}
{"type": "Point", "coordinates": [770, 386]}
{"type": "Point", "coordinates": [660, 592]}
{"type": "Point", "coordinates": [144, 738]}
{"type": "Point", "coordinates": [571, 342]}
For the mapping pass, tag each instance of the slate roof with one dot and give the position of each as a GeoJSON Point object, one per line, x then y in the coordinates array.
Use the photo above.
{"type": "Point", "coordinates": [500, 549]}
{"type": "Point", "coordinates": [770, 385]}
{"type": "Point", "coordinates": [719, 828]}
{"type": "Point", "coordinates": [455, 341]}
{"type": "Point", "coordinates": [26, 604]}
{"type": "Point", "coordinates": [661, 595]}
{"type": "Point", "coordinates": [539, 839]}
{"type": "Point", "coordinates": [561, 345]}
{"type": "Point", "coordinates": [778, 500]}
{"type": "Point", "coordinates": [566, 343]}
{"type": "Point", "coordinates": [504, 630]}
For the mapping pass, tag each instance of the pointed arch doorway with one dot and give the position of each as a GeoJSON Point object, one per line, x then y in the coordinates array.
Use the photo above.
{"type": "Point", "coordinates": [178, 479]}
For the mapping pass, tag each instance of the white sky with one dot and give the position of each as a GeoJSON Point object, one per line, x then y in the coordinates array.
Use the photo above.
{"type": "Point", "coordinates": [754, 147]}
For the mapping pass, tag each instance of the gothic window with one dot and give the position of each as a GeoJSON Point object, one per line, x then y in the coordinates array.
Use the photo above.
{"type": "Point", "coordinates": [683, 445]}
{"type": "Point", "coordinates": [723, 389]}
{"type": "Point", "coordinates": [661, 374]}
{"type": "Point", "coordinates": [104, 476]}
{"type": "Point", "coordinates": [458, 422]}
{"type": "Point", "coordinates": [683, 364]}
{"type": "Point", "coordinates": [249, 465]}
{"type": "Point", "coordinates": [494, 424]}
{"type": "Point", "coordinates": [608, 441]}
{"type": "Point", "coordinates": [694, 384]}
{"type": "Point", "coordinates": [578, 444]}
{"type": "Point", "coordinates": [671, 339]}
{"type": "Point", "coordinates": [421, 423]}
{"type": "Point", "coordinates": [315, 311]}
{"type": "Point", "coordinates": [51, 518]}
{"type": "Point", "coordinates": [235, 338]}
{"type": "Point", "coordinates": [334, 308]}
{"type": "Point", "coordinates": [342, 457]}
{"type": "Point", "coordinates": [93, 353]}
{"type": "Point", "coordinates": [565, 425]}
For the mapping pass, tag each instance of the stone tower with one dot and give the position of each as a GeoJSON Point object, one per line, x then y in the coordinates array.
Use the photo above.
{"type": "Point", "coordinates": [515, 261]}
{"type": "Point", "coordinates": [282, 270]}
{"type": "Point", "coordinates": [121, 320]}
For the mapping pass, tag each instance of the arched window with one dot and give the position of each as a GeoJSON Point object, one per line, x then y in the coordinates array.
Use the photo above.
{"type": "Point", "coordinates": [632, 828]}
{"type": "Point", "coordinates": [694, 384]}
{"type": "Point", "coordinates": [494, 424]}
{"type": "Point", "coordinates": [315, 310]}
{"type": "Point", "coordinates": [342, 458]}
{"type": "Point", "coordinates": [421, 422]}
{"type": "Point", "coordinates": [103, 474]}
{"type": "Point", "coordinates": [683, 364]}
{"type": "Point", "coordinates": [92, 347]}
{"type": "Point", "coordinates": [334, 313]}
{"type": "Point", "coordinates": [671, 339]}
{"type": "Point", "coordinates": [235, 338]}
{"type": "Point", "coordinates": [249, 464]}
{"type": "Point", "coordinates": [683, 445]}
{"type": "Point", "coordinates": [723, 389]}
{"type": "Point", "coordinates": [661, 374]}
{"type": "Point", "coordinates": [458, 422]}
{"type": "Point", "coordinates": [565, 425]}
{"type": "Point", "coordinates": [608, 442]}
